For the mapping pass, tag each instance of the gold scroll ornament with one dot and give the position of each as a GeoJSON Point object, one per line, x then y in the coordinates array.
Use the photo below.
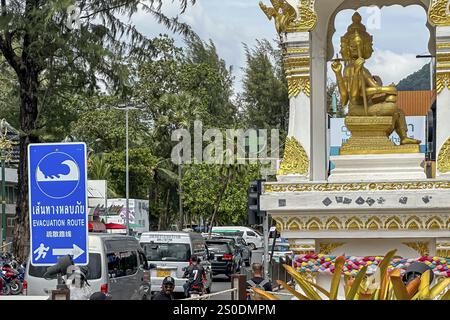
{"type": "Point", "coordinates": [285, 15]}
{"type": "Point", "coordinates": [439, 13]}
{"type": "Point", "coordinates": [444, 158]}
{"type": "Point", "coordinates": [295, 160]}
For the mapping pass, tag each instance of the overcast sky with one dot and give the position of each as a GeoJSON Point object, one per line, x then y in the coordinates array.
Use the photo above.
{"type": "Point", "coordinates": [399, 33]}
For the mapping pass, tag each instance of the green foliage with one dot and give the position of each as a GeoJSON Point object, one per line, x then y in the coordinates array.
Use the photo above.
{"type": "Point", "coordinates": [218, 190]}
{"type": "Point", "coordinates": [265, 98]}
{"type": "Point", "coordinates": [419, 80]}
{"type": "Point", "coordinates": [141, 162]}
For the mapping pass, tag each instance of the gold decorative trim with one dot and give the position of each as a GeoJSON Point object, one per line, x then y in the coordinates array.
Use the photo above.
{"type": "Point", "coordinates": [420, 247]}
{"type": "Point", "coordinates": [296, 62]}
{"type": "Point", "coordinates": [444, 157]}
{"type": "Point", "coordinates": [438, 13]}
{"type": "Point", "coordinates": [361, 186]}
{"type": "Point", "coordinates": [297, 85]}
{"type": "Point", "coordinates": [443, 249]}
{"type": "Point", "coordinates": [297, 50]}
{"type": "Point", "coordinates": [443, 45]}
{"type": "Point", "coordinates": [327, 248]}
{"type": "Point", "coordinates": [295, 160]}
{"type": "Point", "coordinates": [350, 223]}
{"type": "Point", "coordinates": [443, 56]}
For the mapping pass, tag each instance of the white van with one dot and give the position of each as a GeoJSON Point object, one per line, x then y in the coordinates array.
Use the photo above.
{"type": "Point", "coordinates": [171, 251]}
{"type": "Point", "coordinates": [253, 237]}
{"type": "Point", "coordinates": [117, 266]}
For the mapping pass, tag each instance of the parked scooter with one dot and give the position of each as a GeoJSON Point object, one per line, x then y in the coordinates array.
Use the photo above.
{"type": "Point", "coordinates": [11, 280]}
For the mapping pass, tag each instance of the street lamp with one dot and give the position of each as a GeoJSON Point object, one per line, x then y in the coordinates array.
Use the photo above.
{"type": "Point", "coordinates": [126, 107]}
{"type": "Point", "coordinates": [428, 56]}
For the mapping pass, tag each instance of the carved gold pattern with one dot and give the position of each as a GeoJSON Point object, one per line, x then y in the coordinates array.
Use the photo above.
{"type": "Point", "coordinates": [444, 158]}
{"type": "Point", "coordinates": [295, 160]}
{"type": "Point", "coordinates": [358, 186]}
{"type": "Point", "coordinates": [297, 50]}
{"type": "Point", "coordinates": [296, 62]}
{"type": "Point", "coordinates": [297, 85]}
{"type": "Point", "coordinates": [419, 246]}
{"type": "Point", "coordinates": [438, 13]}
{"type": "Point", "coordinates": [327, 248]}
{"type": "Point", "coordinates": [443, 45]}
{"type": "Point", "coordinates": [443, 249]}
{"type": "Point", "coordinates": [352, 223]}
{"type": "Point", "coordinates": [307, 17]}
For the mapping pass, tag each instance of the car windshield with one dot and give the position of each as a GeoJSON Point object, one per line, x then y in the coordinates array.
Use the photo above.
{"type": "Point", "coordinates": [94, 267]}
{"type": "Point", "coordinates": [228, 233]}
{"type": "Point", "coordinates": [218, 247]}
{"type": "Point", "coordinates": [167, 251]}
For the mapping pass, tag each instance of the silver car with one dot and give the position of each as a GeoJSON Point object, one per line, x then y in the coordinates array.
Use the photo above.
{"type": "Point", "coordinates": [117, 267]}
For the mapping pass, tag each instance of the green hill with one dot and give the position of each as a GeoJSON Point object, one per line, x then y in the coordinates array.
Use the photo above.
{"type": "Point", "coordinates": [419, 80]}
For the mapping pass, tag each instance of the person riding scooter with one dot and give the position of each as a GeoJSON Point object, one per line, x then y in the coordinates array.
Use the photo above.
{"type": "Point", "coordinates": [196, 277]}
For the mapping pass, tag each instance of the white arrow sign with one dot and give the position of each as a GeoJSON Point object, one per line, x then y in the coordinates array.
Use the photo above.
{"type": "Point", "coordinates": [76, 251]}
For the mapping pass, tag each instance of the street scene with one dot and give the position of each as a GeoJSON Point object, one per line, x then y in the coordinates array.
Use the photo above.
{"type": "Point", "coordinates": [240, 150]}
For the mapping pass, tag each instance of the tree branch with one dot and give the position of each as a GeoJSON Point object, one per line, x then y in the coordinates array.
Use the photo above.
{"type": "Point", "coordinates": [107, 9]}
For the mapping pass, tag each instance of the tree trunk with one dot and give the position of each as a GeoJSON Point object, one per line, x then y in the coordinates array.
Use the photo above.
{"type": "Point", "coordinates": [28, 115]}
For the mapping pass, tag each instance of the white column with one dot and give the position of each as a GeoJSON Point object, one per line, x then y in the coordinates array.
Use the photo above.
{"type": "Point", "coordinates": [443, 101]}
{"type": "Point", "coordinates": [319, 154]}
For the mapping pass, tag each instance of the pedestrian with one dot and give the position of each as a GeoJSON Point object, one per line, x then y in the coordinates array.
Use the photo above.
{"type": "Point", "coordinates": [77, 283]}
{"type": "Point", "coordinates": [166, 292]}
{"type": "Point", "coordinates": [258, 279]}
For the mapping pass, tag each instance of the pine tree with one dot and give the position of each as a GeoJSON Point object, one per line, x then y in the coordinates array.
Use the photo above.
{"type": "Point", "coordinates": [48, 51]}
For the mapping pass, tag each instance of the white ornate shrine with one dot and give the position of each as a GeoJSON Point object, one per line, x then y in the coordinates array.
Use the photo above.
{"type": "Point", "coordinates": [371, 203]}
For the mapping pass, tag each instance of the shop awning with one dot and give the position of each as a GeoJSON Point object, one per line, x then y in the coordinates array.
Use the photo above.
{"type": "Point", "coordinates": [115, 226]}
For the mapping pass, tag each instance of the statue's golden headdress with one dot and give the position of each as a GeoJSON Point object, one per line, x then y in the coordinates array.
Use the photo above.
{"type": "Point", "coordinates": [354, 30]}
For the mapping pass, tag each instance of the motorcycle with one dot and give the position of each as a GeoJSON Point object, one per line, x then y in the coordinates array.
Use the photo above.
{"type": "Point", "coordinates": [11, 280]}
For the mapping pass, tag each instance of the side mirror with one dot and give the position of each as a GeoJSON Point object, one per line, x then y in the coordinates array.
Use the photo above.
{"type": "Point", "coordinates": [211, 256]}
{"type": "Point", "coordinates": [151, 266]}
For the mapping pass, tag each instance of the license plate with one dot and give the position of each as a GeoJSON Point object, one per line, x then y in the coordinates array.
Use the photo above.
{"type": "Point", "coordinates": [163, 273]}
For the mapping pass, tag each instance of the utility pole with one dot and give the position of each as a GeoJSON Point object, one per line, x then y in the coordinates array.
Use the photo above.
{"type": "Point", "coordinates": [127, 107]}
{"type": "Point", "coordinates": [180, 196]}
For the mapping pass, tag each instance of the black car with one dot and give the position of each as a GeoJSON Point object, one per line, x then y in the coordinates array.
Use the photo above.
{"type": "Point", "coordinates": [240, 245]}
{"type": "Point", "coordinates": [227, 257]}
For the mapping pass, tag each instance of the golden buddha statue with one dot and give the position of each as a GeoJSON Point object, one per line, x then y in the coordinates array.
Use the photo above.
{"type": "Point", "coordinates": [366, 95]}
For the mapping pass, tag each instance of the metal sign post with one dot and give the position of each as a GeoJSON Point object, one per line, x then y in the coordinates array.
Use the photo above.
{"type": "Point", "coordinates": [57, 177]}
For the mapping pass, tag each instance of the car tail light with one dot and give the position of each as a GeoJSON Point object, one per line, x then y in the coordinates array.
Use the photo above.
{"type": "Point", "coordinates": [25, 287]}
{"type": "Point", "coordinates": [227, 257]}
{"type": "Point", "coordinates": [104, 288]}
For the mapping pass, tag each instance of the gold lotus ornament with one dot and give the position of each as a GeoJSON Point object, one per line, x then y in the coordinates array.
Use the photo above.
{"type": "Point", "coordinates": [295, 160]}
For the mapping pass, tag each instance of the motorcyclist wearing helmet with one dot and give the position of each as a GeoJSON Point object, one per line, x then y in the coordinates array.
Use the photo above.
{"type": "Point", "coordinates": [196, 276]}
{"type": "Point", "coordinates": [166, 293]}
